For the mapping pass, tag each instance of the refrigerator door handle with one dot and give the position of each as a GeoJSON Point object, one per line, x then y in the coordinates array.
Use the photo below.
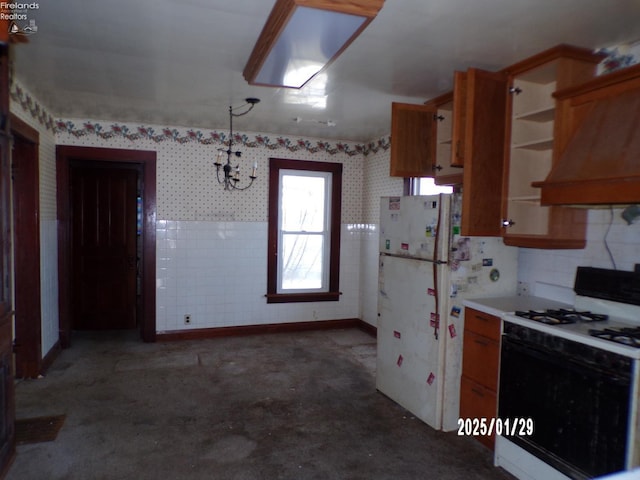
{"type": "Point", "coordinates": [410, 257]}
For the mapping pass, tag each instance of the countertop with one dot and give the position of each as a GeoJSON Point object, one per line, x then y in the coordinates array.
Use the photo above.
{"type": "Point", "coordinates": [498, 306]}
{"type": "Point", "coordinates": [503, 308]}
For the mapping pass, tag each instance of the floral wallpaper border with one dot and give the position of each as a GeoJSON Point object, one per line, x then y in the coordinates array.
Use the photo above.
{"type": "Point", "coordinates": [216, 138]}
{"type": "Point", "coordinates": [616, 59]}
{"type": "Point", "coordinates": [120, 130]}
{"type": "Point", "coordinates": [32, 107]}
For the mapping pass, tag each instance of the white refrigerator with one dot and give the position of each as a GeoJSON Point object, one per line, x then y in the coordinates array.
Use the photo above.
{"type": "Point", "coordinates": [426, 270]}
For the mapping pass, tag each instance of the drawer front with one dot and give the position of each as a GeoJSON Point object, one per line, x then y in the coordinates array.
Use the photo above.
{"type": "Point", "coordinates": [480, 358]}
{"type": "Point", "coordinates": [477, 402]}
{"type": "Point", "coordinates": [482, 323]}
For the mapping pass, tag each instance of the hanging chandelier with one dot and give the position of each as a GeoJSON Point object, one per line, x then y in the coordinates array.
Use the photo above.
{"type": "Point", "coordinates": [231, 175]}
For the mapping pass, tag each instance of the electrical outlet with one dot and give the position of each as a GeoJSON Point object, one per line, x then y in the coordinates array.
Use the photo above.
{"type": "Point", "coordinates": [187, 319]}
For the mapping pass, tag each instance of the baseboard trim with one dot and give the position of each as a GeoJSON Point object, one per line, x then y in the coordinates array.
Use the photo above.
{"type": "Point", "coordinates": [368, 328]}
{"type": "Point", "coordinates": [201, 333]}
{"type": "Point", "coordinates": [50, 357]}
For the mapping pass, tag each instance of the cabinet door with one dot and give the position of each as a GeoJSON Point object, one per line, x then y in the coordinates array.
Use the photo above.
{"type": "Point", "coordinates": [412, 140]}
{"type": "Point", "coordinates": [459, 118]}
{"type": "Point", "coordinates": [481, 359]}
{"type": "Point", "coordinates": [444, 171]}
{"type": "Point", "coordinates": [477, 402]}
{"type": "Point", "coordinates": [483, 152]}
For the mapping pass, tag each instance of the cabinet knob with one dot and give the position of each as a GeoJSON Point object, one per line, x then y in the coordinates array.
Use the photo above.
{"type": "Point", "coordinates": [516, 90]}
{"type": "Point", "coordinates": [508, 223]}
{"type": "Point", "coordinates": [436, 167]}
{"type": "Point", "coordinates": [438, 117]}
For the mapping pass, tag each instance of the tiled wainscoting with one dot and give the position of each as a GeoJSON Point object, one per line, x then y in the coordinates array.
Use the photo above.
{"type": "Point", "coordinates": [217, 273]}
{"type": "Point", "coordinates": [369, 267]}
{"type": "Point", "coordinates": [49, 283]}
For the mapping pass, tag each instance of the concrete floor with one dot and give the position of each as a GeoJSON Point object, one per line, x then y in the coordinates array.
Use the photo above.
{"type": "Point", "coordinates": [277, 406]}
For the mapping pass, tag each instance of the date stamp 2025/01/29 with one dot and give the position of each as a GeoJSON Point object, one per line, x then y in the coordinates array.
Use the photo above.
{"type": "Point", "coordinates": [500, 426]}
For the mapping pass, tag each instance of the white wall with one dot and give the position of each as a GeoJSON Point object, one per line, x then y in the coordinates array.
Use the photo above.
{"type": "Point", "coordinates": [376, 183]}
{"type": "Point", "coordinates": [547, 272]}
{"type": "Point", "coordinates": [211, 248]}
{"type": "Point", "coordinates": [211, 243]}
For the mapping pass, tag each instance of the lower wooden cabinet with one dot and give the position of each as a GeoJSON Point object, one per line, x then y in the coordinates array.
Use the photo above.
{"type": "Point", "coordinates": [480, 363]}
{"type": "Point", "coordinates": [478, 402]}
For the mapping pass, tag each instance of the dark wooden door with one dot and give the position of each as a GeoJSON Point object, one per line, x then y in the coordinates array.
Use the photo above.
{"type": "Point", "coordinates": [7, 397]}
{"type": "Point", "coordinates": [103, 210]}
{"type": "Point", "coordinates": [26, 224]}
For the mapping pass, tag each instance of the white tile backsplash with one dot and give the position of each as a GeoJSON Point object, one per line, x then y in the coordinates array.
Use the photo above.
{"type": "Point", "coordinates": [606, 232]}
{"type": "Point", "coordinates": [217, 273]}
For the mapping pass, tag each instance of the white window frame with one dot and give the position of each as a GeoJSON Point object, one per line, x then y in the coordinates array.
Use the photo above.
{"type": "Point", "coordinates": [325, 233]}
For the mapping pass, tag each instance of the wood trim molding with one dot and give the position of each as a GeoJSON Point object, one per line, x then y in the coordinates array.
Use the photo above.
{"type": "Point", "coordinates": [242, 330]}
{"type": "Point", "coordinates": [50, 357]}
{"type": "Point", "coordinates": [283, 11]}
{"type": "Point", "coordinates": [25, 174]}
{"type": "Point", "coordinates": [146, 160]}
{"type": "Point", "coordinates": [553, 53]}
{"type": "Point", "coordinates": [22, 128]}
{"type": "Point", "coordinates": [275, 165]}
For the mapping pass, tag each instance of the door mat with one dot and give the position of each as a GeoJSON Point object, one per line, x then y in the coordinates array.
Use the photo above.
{"type": "Point", "coordinates": [39, 429]}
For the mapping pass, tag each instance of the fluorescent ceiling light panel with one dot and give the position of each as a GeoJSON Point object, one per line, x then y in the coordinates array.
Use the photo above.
{"type": "Point", "coordinates": [302, 37]}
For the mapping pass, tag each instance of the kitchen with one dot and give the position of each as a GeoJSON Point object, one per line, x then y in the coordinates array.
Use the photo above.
{"type": "Point", "coordinates": [594, 392]}
{"type": "Point", "coordinates": [184, 206]}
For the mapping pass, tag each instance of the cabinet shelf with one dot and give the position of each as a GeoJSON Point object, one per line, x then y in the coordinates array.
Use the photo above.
{"type": "Point", "coordinates": [545, 114]}
{"type": "Point", "coordinates": [538, 144]}
{"type": "Point", "coordinates": [535, 199]}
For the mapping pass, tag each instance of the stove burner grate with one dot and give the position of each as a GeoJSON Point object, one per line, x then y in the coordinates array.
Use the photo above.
{"type": "Point", "coordinates": [624, 335]}
{"type": "Point", "coordinates": [561, 316]}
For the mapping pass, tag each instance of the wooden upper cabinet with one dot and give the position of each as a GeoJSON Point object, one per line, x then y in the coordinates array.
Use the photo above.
{"type": "Point", "coordinates": [412, 140]}
{"type": "Point", "coordinates": [530, 131]}
{"type": "Point", "coordinates": [443, 170]}
{"type": "Point", "coordinates": [459, 118]}
{"type": "Point", "coordinates": [481, 150]}
{"type": "Point", "coordinates": [597, 143]}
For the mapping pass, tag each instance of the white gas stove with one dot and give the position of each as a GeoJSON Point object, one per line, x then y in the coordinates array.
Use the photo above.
{"type": "Point", "coordinates": [608, 325]}
{"type": "Point", "coordinates": [575, 373]}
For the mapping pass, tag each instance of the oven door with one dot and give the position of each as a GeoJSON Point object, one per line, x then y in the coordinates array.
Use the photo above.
{"type": "Point", "coordinates": [580, 412]}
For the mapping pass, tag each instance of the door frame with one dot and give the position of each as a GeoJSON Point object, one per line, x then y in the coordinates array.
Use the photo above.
{"type": "Point", "coordinates": [146, 160]}
{"type": "Point", "coordinates": [27, 272]}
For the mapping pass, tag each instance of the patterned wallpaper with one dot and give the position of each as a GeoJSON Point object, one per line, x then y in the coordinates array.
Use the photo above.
{"type": "Point", "coordinates": [36, 116]}
{"type": "Point", "coordinates": [187, 188]}
{"type": "Point", "coordinates": [378, 183]}
{"type": "Point", "coordinates": [186, 180]}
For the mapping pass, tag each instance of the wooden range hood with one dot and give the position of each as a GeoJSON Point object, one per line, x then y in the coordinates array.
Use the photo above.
{"type": "Point", "coordinates": [597, 150]}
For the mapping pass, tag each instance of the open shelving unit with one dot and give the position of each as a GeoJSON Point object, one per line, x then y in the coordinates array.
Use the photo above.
{"type": "Point", "coordinates": [531, 148]}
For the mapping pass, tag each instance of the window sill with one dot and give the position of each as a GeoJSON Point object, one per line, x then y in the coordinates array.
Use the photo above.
{"type": "Point", "coordinates": [302, 297]}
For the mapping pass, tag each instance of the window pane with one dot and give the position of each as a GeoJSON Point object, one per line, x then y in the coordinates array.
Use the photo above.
{"type": "Point", "coordinates": [301, 261]}
{"type": "Point", "coordinates": [426, 186]}
{"type": "Point", "coordinates": [303, 203]}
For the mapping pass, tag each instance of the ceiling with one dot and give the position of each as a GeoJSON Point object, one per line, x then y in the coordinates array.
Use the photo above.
{"type": "Point", "coordinates": [180, 62]}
